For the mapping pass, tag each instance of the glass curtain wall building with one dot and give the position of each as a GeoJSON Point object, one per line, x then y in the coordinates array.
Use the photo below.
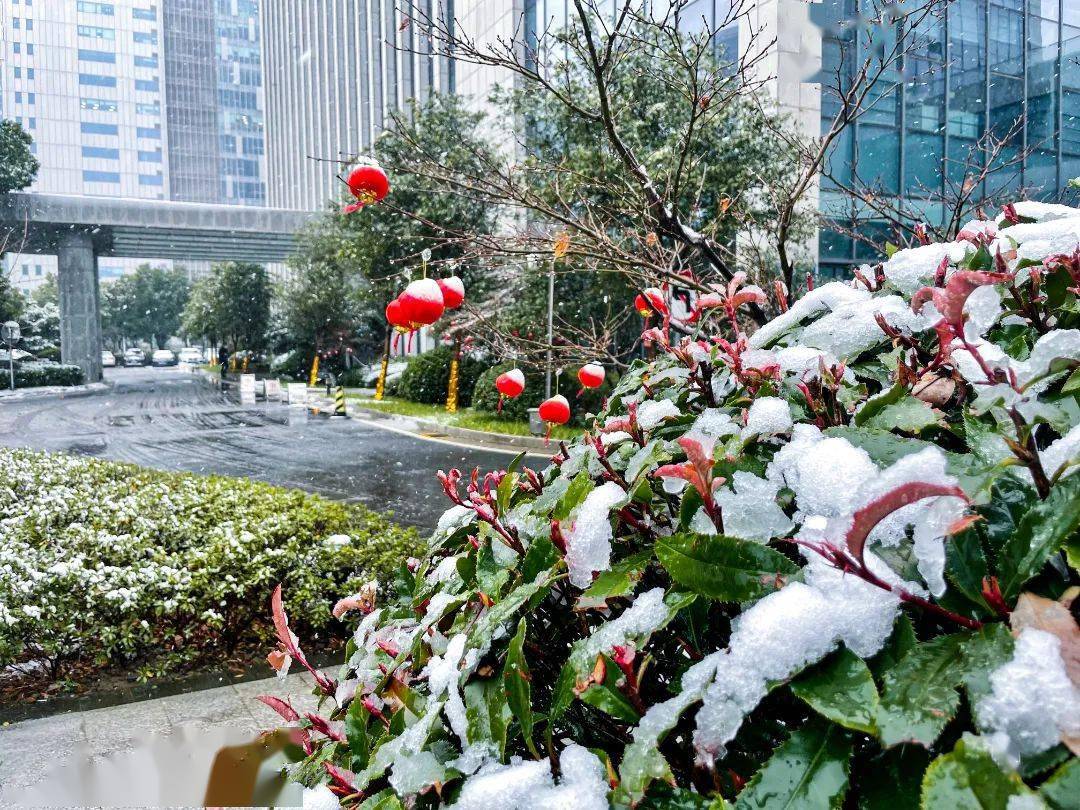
{"type": "Point", "coordinates": [335, 71]}
{"type": "Point", "coordinates": [1010, 68]}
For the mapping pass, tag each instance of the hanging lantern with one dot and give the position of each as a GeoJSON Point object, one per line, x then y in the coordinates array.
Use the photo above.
{"type": "Point", "coordinates": [650, 301]}
{"type": "Point", "coordinates": [591, 375]}
{"type": "Point", "coordinates": [422, 302]}
{"type": "Point", "coordinates": [395, 316]}
{"type": "Point", "coordinates": [453, 291]}
{"type": "Point", "coordinates": [509, 384]}
{"type": "Point", "coordinates": [555, 411]}
{"type": "Point", "coordinates": [368, 183]}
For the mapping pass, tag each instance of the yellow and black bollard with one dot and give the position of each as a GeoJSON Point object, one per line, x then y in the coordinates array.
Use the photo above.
{"type": "Point", "coordinates": [339, 402]}
{"type": "Point", "coordinates": [313, 378]}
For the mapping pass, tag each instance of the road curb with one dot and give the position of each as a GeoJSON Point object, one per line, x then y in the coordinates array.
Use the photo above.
{"type": "Point", "coordinates": [480, 438]}
{"type": "Point", "coordinates": [56, 392]}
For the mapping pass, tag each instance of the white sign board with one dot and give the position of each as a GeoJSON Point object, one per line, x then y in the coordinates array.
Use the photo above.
{"type": "Point", "coordinates": [247, 387]}
{"type": "Point", "coordinates": [273, 389]}
{"type": "Point", "coordinates": [297, 393]}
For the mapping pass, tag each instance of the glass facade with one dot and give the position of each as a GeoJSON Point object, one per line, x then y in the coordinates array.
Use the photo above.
{"type": "Point", "coordinates": [1010, 68]}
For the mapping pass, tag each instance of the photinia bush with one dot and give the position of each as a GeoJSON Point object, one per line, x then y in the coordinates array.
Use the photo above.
{"type": "Point", "coordinates": [830, 563]}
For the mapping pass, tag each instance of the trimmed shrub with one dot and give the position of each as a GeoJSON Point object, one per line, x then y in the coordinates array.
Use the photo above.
{"type": "Point", "coordinates": [37, 373]}
{"type": "Point", "coordinates": [109, 564]}
{"type": "Point", "coordinates": [427, 377]}
{"type": "Point", "coordinates": [486, 397]}
{"type": "Point", "coordinates": [827, 564]}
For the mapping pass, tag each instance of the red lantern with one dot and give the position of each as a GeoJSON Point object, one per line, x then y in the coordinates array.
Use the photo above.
{"type": "Point", "coordinates": [591, 375]}
{"type": "Point", "coordinates": [555, 411]}
{"type": "Point", "coordinates": [453, 291]}
{"type": "Point", "coordinates": [395, 316]}
{"type": "Point", "coordinates": [649, 301]}
{"type": "Point", "coordinates": [422, 302]}
{"type": "Point", "coordinates": [368, 183]}
{"type": "Point", "coordinates": [510, 383]}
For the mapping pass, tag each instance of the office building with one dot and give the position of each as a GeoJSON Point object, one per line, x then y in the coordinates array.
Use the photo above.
{"type": "Point", "coordinates": [334, 72]}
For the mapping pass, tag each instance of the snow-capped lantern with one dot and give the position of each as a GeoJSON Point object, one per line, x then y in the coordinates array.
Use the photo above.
{"type": "Point", "coordinates": [555, 411]}
{"type": "Point", "coordinates": [509, 384]}
{"type": "Point", "coordinates": [422, 302]}
{"type": "Point", "coordinates": [453, 291]}
{"type": "Point", "coordinates": [650, 301]}
{"type": "Point", "coordinates": [368, 183]}
{"type": "Point", "coordinates": [591, 375]}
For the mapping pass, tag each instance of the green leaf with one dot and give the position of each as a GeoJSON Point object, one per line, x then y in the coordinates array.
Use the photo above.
{"type": "Point", "coordinates": [895, 409]}
{"type": "Point", "coordinates": [688, 507]}
{"type": "Point", "coordinates": [579, 488]}
{"type": "Point", "coordinates": [647, 458]}
{"type": "Point", "coordinates": [723, 568]}
{"type": "Point", "coordinates": [609, 698]}
{"type": "Point", "coordinates": [516, 681]}
{"type": "Point", "coordinates": [899, 644]}
{"type": "Point", "coordinates": [918, 695]}
{"type": "Point", "coordinates": [666, 797]}
{"type": "Point", "coordinates": [486, 712]}
{"type": "Point", "coordinates": [985, 651]}
{"type": "Point", "coordinates": [1060, 790]}
{"type": "Point", "coordinates": [356, 720]}
{"type": "Point", "coordinates": [490, 576]}
{"type": "Point", "coordinates": [968, 777]}
{"type": "Point", "coordinates": [540, 556]}
{"type": "Point", "coordinates": [1043, 530]}
{"type": "Point", "coordinates": [891, 250]}
{"type": "Point", "coordinates": [504, 610]}
{"type": "Point", "coordinates": [515, 465]}
{"type": "Point", "coordinates": [893, 779]}
{"type": "Point", "coordinates": [965, 565]}
{"type": "Point", "coordinates": [621, 580]}
{"type": "Point", "coordinates": [842, 690]}
{"type": "Point", "coordinates": [505, 491]}
{"type": "Point", "coordinates": [809, 771]}
{"type": "Point", "coordinates": [384, 800]}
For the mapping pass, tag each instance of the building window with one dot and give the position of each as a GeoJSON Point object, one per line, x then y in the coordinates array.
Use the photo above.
{"type": "Point", "coordinates": [149, 85]}
{"type": "Point", "coordinates": [99, 104]}
{"type": "Point", "coordinates": [150, 157]}
{"type": "Point", "coordinates": [100, 177]}
{"type": "Point", "coordinates": [96, 32]}
{"type": "Point", "coordinates": [18, 72]}
{"type": "Point", "coordinates": [94, 128]}
{"type": "Point", "coordinates": [96, 80]}
{"type": "Point", "coordinates": [150, 180]}
{"type": "Point", "coordinates": [146, 61]}
{"type": "Point", "coordinates": [144, 14]}
{"type": "Point", "coordinates": [145, 38]}
{"type": "Point", "coordinates": [29, 73]}
{"type": "Point", "coordinates": [148, 132]}
{"type": "Point", "coordinates": [148, 109]}
{"type": "Point", "coordinates": [103, 152]}
{"type": "Point", "coordinates": [108, 57]}
{"type": "Point", "coordinates": [96, 8]}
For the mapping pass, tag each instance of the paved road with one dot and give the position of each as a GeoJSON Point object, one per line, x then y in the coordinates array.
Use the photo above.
{"type": "Point", "coordinates": [166, 419]}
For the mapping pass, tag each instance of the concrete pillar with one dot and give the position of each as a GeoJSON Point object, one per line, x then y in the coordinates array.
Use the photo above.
{"type": "Point", "coordinates": [80, 314]}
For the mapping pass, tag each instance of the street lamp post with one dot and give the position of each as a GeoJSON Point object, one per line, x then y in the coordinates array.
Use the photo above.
{"type": "Point", "coordinates": [11, 334]}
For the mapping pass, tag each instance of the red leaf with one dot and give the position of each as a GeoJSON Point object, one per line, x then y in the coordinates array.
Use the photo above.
{"type": "Point", "coordinates": [282, 707]}
{"type": "Point", "coordinates": [877, 510]}
{"type": "Point", "coordinates": [281, 621]}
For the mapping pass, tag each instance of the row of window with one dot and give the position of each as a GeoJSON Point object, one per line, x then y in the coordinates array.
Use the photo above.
{"type": "Point", "coordinates": [96, 80]}
{"type": "Point", "coordinates": [109, 58]}
{"type": "Point", "coordinates": [90, 176]}
{"type": "Point", "coordinates": [97, 128]}
{"type": "Point", "coordinates": [111, 106]}
{"type": "Point", "coordinates": [109, 10]}
{"type": "Point", "coordinates": [111, 153]}
{"type": "Point", "coordinates": [97, 32]}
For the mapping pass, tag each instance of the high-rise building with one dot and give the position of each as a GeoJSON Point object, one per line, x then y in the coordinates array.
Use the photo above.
{"type": "Point", "coordinates": [157, 99]}
{"type": "Point", "coordinates": [335, 71]}
{"type": "Point", "coordinates": [86, 80]}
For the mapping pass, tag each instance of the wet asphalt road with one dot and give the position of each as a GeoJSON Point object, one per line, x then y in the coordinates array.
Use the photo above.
{"type": "Point", "coordinates": [168, 420]}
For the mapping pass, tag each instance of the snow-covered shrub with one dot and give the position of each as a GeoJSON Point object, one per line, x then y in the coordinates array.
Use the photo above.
{"type": "Point", "coordinates": [108, 564]}
{"type": "Point", "coordinates": [37, 373]}
{"type": "Point", "coordinates": [825, 564]}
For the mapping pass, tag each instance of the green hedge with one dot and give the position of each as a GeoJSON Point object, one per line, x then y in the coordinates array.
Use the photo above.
{"type": "Point", "coordinates": [486, 397]}
{"type": "Point", "coordinates": [34, 374]}
{"type": "Point", "coordinates": [108, 564]}
{"type": "Point", "coordinates": [427, 377]}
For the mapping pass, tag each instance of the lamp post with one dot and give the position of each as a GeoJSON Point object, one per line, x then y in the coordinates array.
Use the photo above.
{"type": "Point", "coordinates": [11, 334]}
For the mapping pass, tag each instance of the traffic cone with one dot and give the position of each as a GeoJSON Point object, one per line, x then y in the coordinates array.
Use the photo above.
{"type": "Point", "coordinates": [339, 402]}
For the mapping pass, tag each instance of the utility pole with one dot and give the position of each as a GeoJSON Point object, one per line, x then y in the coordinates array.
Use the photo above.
{"type": "Point", "coordinates": [11, 335]}
{"type": "Point", "coordinates": [550, 324]}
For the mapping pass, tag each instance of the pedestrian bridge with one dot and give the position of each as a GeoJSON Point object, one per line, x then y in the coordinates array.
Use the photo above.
{"type": "Point", "coordinates": [80, 229]}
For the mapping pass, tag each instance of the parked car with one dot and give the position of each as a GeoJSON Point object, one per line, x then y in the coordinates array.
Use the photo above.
{"type": "Point", "coordinates": [191, 355]}
{"type": "Point", "coordinates": [163, 357]}
{"type": "Point", "coordinates": [108, 359]}
{"type": "Point", "coordinates": [134, 357]}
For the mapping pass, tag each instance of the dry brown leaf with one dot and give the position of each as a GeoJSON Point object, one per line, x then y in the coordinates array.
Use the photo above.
{"type": "Point", "coordinates": [1055, 618]}
{"type": "Point", "coordinates": [561, 245]}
